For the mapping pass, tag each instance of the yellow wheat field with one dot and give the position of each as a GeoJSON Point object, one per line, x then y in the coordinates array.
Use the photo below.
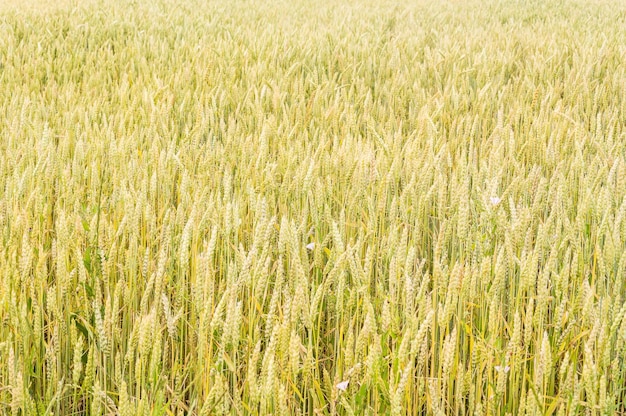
{"type": "Point", "coordinates": [312, 208]}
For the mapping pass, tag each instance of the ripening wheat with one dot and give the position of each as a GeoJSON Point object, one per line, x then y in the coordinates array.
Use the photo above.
{"type": "Point", "coordinates": [277, 207]}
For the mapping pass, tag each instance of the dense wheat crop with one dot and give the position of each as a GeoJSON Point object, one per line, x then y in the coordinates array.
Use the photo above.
{"type": "Point", "coordinates": [276, 207]}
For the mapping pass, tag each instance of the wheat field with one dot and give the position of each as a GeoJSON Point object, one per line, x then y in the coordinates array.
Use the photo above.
{"type": "Point", "coordinates": [312, 208]}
